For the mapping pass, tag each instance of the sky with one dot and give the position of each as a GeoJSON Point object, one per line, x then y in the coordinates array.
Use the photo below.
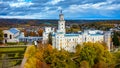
{"type": "Point", "coordinates": [50, 9]}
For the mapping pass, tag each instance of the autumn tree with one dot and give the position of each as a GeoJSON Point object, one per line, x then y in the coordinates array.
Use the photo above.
{"type": "Point", "coordinates": [1, 36]}
{"type": "Point", "coordinates": [100, 64]}
{"type": "Point", "coordinates": [25, 33]}
{"type": "Point", "coordinates": [58, 58]}
{"type": "Point", "coordinates": [78, 49]}
{"type": "Point", "coordinates": [94, 53]}
{"type": "Point", "coordinates": [62, 59]}
{"type": "Point", "coordinates": [40, 32]}
{"type": "Point", "coordinates": [88, 55]}
{"type": "Point", "coordinates": [32, 33]}
{"type": "Point", "coordinates": [117, 59]}
{"type": "Point", "coordinates": [84, 64]}
{"type": "Point", "coordinates": [115, 39]}
{"type": "Point", "coordinates": [50, 38]}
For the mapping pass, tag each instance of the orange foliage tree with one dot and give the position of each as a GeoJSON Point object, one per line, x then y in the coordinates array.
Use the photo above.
{"type": "Point", "coordinates": [40, 32]}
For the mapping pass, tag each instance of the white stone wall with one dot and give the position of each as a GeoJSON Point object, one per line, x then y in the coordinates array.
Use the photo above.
{"type": "Point", "coordinates": [46, 33]}
{"type": "Point", "coordinates": [107, 39]}
{"type": "Point", "coordinates": [61, 26]}
{"type": "Point", "coordinates": [8, 34]}
{"type": "Point", "coordinates": [13, 39]}
{"type": "Point", "coordinates": [48, 29]}
{"type": "Point", "coordinates": [69, 43]}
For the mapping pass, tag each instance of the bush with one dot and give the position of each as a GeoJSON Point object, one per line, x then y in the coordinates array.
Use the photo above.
{"type": "Point", "coordinates": [11, 43]}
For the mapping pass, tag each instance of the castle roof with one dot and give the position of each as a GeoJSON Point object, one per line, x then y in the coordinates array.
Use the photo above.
{"type": "Point", "coordinates": [71, 35]}
{"type": "Point", "coordinates": [96, 34]}
{"type": "Point", "coordinates": [14, 30]}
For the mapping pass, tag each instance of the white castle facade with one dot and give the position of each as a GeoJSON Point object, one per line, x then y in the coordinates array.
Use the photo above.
{"type": "Point", "coordinates": [15, 35]}
{"type": "Point", "coordinates": [60, 39]}
{"type": "Point", "coordinates": [12, 35]}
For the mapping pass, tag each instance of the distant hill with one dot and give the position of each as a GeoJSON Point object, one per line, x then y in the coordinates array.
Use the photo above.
{"type": "Point", "coordinates": [9, 22]}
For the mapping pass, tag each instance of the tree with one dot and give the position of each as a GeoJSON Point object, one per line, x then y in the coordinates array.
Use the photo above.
{"type": "Point", "coordinates": [25, 33]}
{"type": "Point", "coordinates": [40, 32]}
{"type": "Point", "coordinates": [117, 59]}
{"type": "Point", "coordinates": [50, 38]}
{"type": "Point", "coordinates": [61, 59]}
{"type": "Point", "coordinates": [1, 36]}
{"type": "Point", "coordinates": [115, 39]}
{"type": "Point", "coordinates": [88, 53]}
{"type": "Point", "coordinates": [32, 33]}
{"type": "Point", "coordinates": [57, 58]}
{"type": "Point", "coordinates": [94, 53]}
{"type": "Point", "coordinates": [78, 49]}
{"type": "Point", "coordinates": [100, 64]}
{"type": "Point", "coordinates": [84, 64]}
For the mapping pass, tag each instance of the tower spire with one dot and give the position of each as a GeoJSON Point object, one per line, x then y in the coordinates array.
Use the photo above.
{"type": "Point", "coordinates": [61, 16]}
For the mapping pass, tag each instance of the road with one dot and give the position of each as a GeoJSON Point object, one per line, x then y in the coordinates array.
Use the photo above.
{"type": "Point", "coordinates": [23, 62]}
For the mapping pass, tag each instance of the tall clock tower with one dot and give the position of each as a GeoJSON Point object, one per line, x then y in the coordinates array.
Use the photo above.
{"type": "Point", "coordinates": [61, 23]}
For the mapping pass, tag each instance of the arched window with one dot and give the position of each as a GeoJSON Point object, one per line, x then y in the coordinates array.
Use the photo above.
{"type": "Point", "coordinates": [5, 35]}
{"type": "Point", "coordinates": [10, 36]}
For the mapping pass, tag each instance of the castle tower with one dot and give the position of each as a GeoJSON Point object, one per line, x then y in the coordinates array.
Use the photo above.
{"type": "Point", "coordinates": [46, 33]}
{"type": "Point", "coordinates": [61, 23]}
{"type": "Point", "coordinates": [107, 39]}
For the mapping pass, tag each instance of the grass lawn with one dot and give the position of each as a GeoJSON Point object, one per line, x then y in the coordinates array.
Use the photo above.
{"type": "Point", "coordinates": [12, 55]}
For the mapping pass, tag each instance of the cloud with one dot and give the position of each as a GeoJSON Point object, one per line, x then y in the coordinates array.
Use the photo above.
{"type": "Point", "coordinates": [20, 4]}
{"type": "Point", "coordinates": [47, 8]}
{"type": "Point", "coordinates": [105, 9]}
{"type": "Point", "coordinates": [23, 17]}
{"type": "Point", "coordinates": [25, 0]}
{"type": "Point", "coordinates": [50, 8]}
{"type": "Point", "coordinates": [101, 6]}
{"type": "Point", "coordinates": [54, 2]}
{"type": "Point", "coordinates": [40, 15]}
{"type": "Point", "coordinates": [20, 17]}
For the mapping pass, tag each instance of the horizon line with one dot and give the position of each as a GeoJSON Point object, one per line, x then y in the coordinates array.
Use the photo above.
{"type": "Point", "coordinates": [65, 18]}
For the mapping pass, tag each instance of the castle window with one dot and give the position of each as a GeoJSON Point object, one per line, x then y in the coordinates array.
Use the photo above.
{"type": "Point", "coordinates": [5, 35]}
{"type": "Point", "coordinates": [85, 38]}
{"type": "Point", "coordinates": [10, 36]}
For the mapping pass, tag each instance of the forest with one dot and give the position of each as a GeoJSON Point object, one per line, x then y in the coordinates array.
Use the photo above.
{"type": "Point", "coordinates": [87, 55]}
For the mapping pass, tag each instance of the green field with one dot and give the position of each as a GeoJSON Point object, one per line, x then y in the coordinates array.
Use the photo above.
{"type": "Point", "coordinates": [11, 55]}
{"type": "Point", "coordinates": [13, 49]}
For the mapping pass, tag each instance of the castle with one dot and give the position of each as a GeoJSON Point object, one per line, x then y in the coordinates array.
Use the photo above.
{"type": "Point", "coordinates": [68, 41]}
{"type": "Point", "coordinates": [12, 35]}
